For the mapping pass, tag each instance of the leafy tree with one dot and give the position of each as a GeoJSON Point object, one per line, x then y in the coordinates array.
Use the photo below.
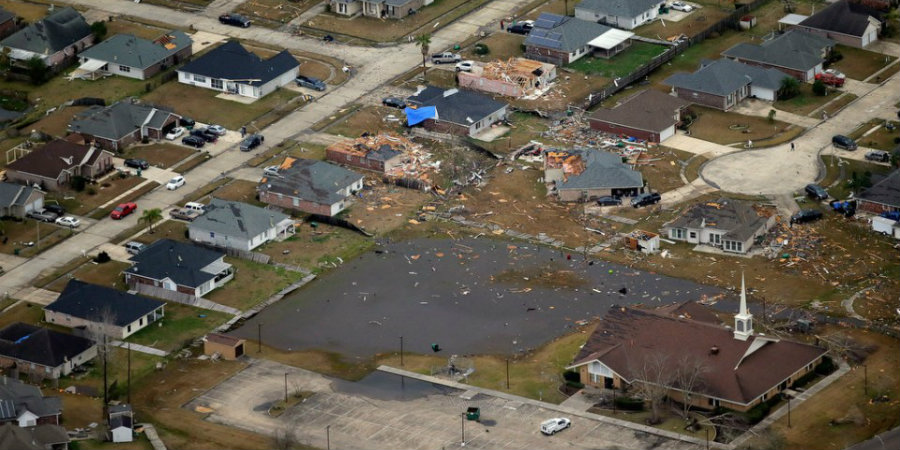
{"type": "Point", "coordinates": [99, 30]}
{"type": "Point", "coordinates": [150, 216]}
{"type": "Point", "coordinates": [37, 70]}
{"type": "Point", "coordinates": [423, 41]}
{"type": "Point", "coordinates": [819, 88]}
{"type": "Point", "coordinates": [790, 87]}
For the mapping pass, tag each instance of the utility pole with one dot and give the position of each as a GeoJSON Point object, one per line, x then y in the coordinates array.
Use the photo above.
{"type": "Point", "coordinates": [866, 379]}
{"type": "Point", "coordinates": [507, 374]}
{"type": "Point", "coordinates": [285, 390]}
{"type": "Point", "coordinates": [401, 350]}
{"type": "Point", "coordinates": [129, 373]}
{"type": "Point", "coordinates": [328, 437]}
{"type": "Point", "coordinates": [789, 412]}
{"type": "Point", "coordinates": [105, 377]}
{"type": "Point", "coordinates": [259, 337]}
{"type": "Point", "coordinates": [463, 424]}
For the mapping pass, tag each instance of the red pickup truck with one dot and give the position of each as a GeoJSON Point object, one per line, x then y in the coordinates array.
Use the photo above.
{"type": "Point", "coordinates": [123, 210]}
{"type": "Point", "coordinates": [830, 79]}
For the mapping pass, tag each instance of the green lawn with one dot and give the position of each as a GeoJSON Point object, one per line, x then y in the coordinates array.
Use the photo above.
{"type": "Point", "coordinates": [252, 283]}
{"type": "Point", "coordinates": [834, 163]}
{"type": "Point", "coordinates": [108, 274]}
{"type": "Point", "coordinates": [859, 64]}
{"type": "Point", "coordinates": [620, 65]}
{"type": "Point", "coordinates": [805, 102]}
{"type": "Point", "coordinates": [181, 324]}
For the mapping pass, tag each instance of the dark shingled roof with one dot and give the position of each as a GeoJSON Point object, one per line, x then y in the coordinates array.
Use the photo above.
{"type": "Point", "coordinates": [724, 76]}
{"type": "Point", "coordinates": [601, 170]}
{"type": "Point", "coordinates": [690, 310]}
{"type": "Point", "coordinates": [311, 180]}
{"type": "Point", "coordinates": [621, 8]}
{"type": "Point", "coordinates": [6, 16]}
{"type": "Point", "coordinates": [648, 110]}
{"type": "Point", "coordinates": [118, 120]}
{"type": "Point", "coordinates": [739, 372]}
{"type": "Point", "coordinates": [130, 50]}
{"type": "Point", "coordinates": [738, 218]}
{"type": "Point", "coordinates": [92, 302]}
{"type": "Point", "coordinates": [563, 33]}
{"type": "Point", "coordinates": [795, 49]}
{"type": "Point", "coordinates": [457, 106]}
{"type": "Point", "coordinates": [231, 61]}
{"type": "Point", "coordinates": [13, 437]}
{"type": "Point", "coordinates": [40, 345]}
{"type": "Point", "coordinates": [54, 157]}
{"type": "Point", "coordinates": [175, 260]}
{"type": "Point", "coordinates": [16, 396]}
{"type": "Point", "coordinates": [843, 17]}
{"type": "Point", "coordinates": [12, 194]}
{"type": "Point", "coordinates": [60, 29]}
{"type": "Point", "coordinates": [886, 191]}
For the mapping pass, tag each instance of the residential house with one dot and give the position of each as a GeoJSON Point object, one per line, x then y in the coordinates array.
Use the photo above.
{"type": "Point", "coordinates": [178, 266]}
{"type": "Point", "coordinates": [642, 241]}
{"type": "Point", "coordinates": [723, 83]}
{"type": "Point", "coordinates": [391, 9]}
{"type": "Point", "coordinates": [233, 69]}
{"type": "Point", "coordinates": [227, 347]}
{"type": "Point", "coordinates": [17, 200]}
{"type": "Point", "coordinates": [515, 77]}
{"type": "Point", "coordinates": [54, 165]}
{"type": "Point", "coordinates": [123, 123]}
{"type": "Point", "coordinates": [381, 153]}
{"type": "Point", "coordinates": [121, 423]}
{"type": "Point", "coordinates": [237, 225]}
{"type": "Point", "coordinates": [846, 22]}
{"type": "Point", "coordinates": [106, 310]}
{"type": "Point", "coordinates": [42, 352]}
{"type": "Point", "coordinates": [796, 53]}
{"type": "Point", "coordinates": [347, 8]}
{"type": "Point", "coordinates": [40, 437]}
{"type": "Point", "coordinates": [624, 14]}
{"type": "Point", "coordinates": [648, 115]}
{"type": "Point", "coordinates": [133, 57]}
{"type": "Point", "coordinates": [585, 175]}
{"type": "Point", "coordinates": [731, 225]}
{"type": "Point", "coordinates": [7, 23]}
{"type": "Point", "coordinates": [455, 111]}
{"type": "Point", "coordinates": [55, 39]}
{"type": "Point", "coordinates": [737, 368]}
{"type": "Point", "coordinates": [562, 40]}
{"type": "Point", "coordinates": [25, 406]}
{"type": "Point", "coordinates": [883, 196]}
{"type": "Point", "coordinates": [314, 187]}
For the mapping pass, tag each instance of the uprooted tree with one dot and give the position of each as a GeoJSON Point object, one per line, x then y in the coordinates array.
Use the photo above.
{"type": "Point", "coordinates": [655, 375]}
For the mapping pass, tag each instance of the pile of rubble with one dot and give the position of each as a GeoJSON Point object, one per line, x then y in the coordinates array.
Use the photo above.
{"type": "Point", "coordinates": [576, 132]}
{"type": "Point", "coordinates": [414, 164]}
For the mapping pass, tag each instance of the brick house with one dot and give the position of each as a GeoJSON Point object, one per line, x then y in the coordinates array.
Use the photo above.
{"type": "Point", "coordinates": [648, 115]}
{"type": "Point", "coordinates": [731, 225]}
{"type": "Point", "coordinates": [133, 57]}
{"type": "Point", "coordinates": [313, 187]}
{"type": "Point", "coordinates": [724, 83]}
{"type": "Point", "coordinates": [796, 53]}
{"type": "Point", "coordinates": [115, 313]}
{"type": "Point", "coordinates": [845, 22]}
{"type": "Point", "coordinates": [123, 123]}
{"type": "Point", "coordinates": [178, 266]}
{"type": "Point", "coordinates": [883, 196]}
{"type": "Point", "coordinates": [562, 40]}
{"type": "Point", "coordinates": [456, 111]}
{"type": "Point", "coordinates": [55, 39]}
{"type": "Point", "coordinates": [43, 352]}
{"type": "Point", "coordinates": [24, 405]}
{"type": "Point", "coordinates": [381, 153]}
{"type": "Point", "coordinates": [54, 165]}
{"type": "Point", "coordinates": [585, 175]}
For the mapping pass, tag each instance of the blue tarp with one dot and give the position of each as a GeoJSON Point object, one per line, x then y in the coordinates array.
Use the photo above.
{"type": "Point", "coordinates": [414, 116]}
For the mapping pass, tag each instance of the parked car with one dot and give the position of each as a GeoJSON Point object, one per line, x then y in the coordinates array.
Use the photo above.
{"type": "Point", "coordinates": [218, 130]}
{"type": "Point", "coordinates": [445, 58]}
{"type": "Point", "coordinates": [271, 171]}
{"type": "Point", "coordinates": [609, 201]}
{"type": "Point", "coordinates": [806, 215]}
{"type": "Point", "coordinates": [43, 215]}
{"type": "Point", "coordinates": [251, 142]}
{"type": "Point", "coordinates": [394, 102]}
{"type": "Point", "coordinates": [185, 214]}
{"type": "Point", "coordinates": [236, 20]}
{"type": "Point", "coordinates": [310, 82]}
{"type": "Point", "coordinates": [174, 133]}
{"type": "Point", "coordinates": [123, 210]}
{"type": "Point", "coordinates": [878, 155]}
{"type": "Point", "coordinates": [552, 426]}
{"type": "Point", "coordinates": [830, 79]}
{"type": "Point", "coordinates": [134, 247]}
{"type": "Point", "coordinates": [646, 199]}
{"type": "Point", "coordinates": [204, 134]}
{"type": "Point", "coordinates": [137, 163]}
{"type": "Point", "coordinates": [193, 141]}
{"type": "Point", "coordinates": [523, 27]}
{"type": "Point", "coordinates": [844, 142]}
{"type": "Point", "coordinates": [55, 208]}
{"type": "Point", "coordinates": [187, 122]}
{"type": "Point", "coordinates": [68, 221]}
{"type": "Point", "coordinates": [175, 183]}
{"type": "Point", "coordinates": [816, 192]}
{"type": "Point", "coordinates": [465, 66]}
{"type": "Point", "coordinates": [681, 6]}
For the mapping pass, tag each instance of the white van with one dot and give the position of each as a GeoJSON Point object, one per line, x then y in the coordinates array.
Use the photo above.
{"type": "Point", "coordinates": [134, 247]}
{"type": "Point", "coordinates": [194, 206]}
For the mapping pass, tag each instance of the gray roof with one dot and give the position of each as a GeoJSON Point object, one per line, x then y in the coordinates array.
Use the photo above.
{"type": "Point", "coordinates": [236, 219]}
{"type": "Point", "coordinates": [13, 437]}
{"type": "Point", "coordinates": [91, 302]}
{"type": "Point", "coordinates": [132, 51]}
{"type": "Point", "coordinates": [178, 261]}
{"type": "Point", "coordinates": [315, 181]}
{"type": "Point", "coordinates": [738, 219]}
{"type": "Point", "coordinates": [851, 18]}
{"type": "Point", "coordinates": [6, 16]}
{"type": "Point", "coordinates": [886, 191]}
{"type": "Point", "coordinates": [16, 396]}
{"type": "Point", "coordinates": [60, 29]}
{"type": "Point", "coordinates": [724, 76]}
{"type": "Point", "coordinates": [40, 345]}
{"type": "Point", "coordinates": [14, 194]}
{"type": "Point", "coordinates": [458, 106]}
{"type": "Point", "coordinates": [621, 8]}
{"type": "Point", "coordinates": [602, 170]}
{"type": "Point", "coordinates": [563, 32]}
{"type": "Point", "coordinates": [231, 61]}
{"type": "Point", "coordinates": [396, 2]}
{"type": "Point", "coordinates": [118, 120]}
{"type": "Point", "coordinates": [795, 49]}
{"type": "Point", "coordinates": [648, 110]}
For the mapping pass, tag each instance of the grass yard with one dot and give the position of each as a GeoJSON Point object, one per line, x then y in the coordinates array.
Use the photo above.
{"type": "Point", "coordinates": [313, 248]}
{"type": "Point", "coordinates": [859, 64]}
{"type": "Point", "coordinates": [170, 229]}
{"type": "Point", "coordinates": [500, 45]}
{"type": "Point", "coordinates": [175, 4]}
{"type": "Point", "coordinates": [252, 283]}
{"type": "Point", "coordinates": [274, 12]}
{"type": "Point", "coordinates": [159, 155]}
{"type": "Point", "coordinates": [663, 174]}
{"type": "Point", "coordinates": [59, 90]}
{"type": "Point", "coordinates": [881, 138]}
{"type": "Point", "coordinates": [17, 234]}
{"type": "Point", "coordinates": [729, 128]}
{"type": "Point", "coordinates": [56, 123]}
{"type": "Point", "coordinates": [239, 191]}
{"type": "Point", "coordinates": [28, 11]}
{"type": "Point", "coordinates": [181, 325]}
{"type": "Point", "coordinates": [203, 106]}
{"type": "Point", "coordinates": [368, 118]}
{"type": "Point", "coordinates": [23, 312]}
{"type": "Point", "coordinates": [108, 274]}
{"type": "Point", "coordinates": [837, 104]}
{"type": "Point", "coordinates": [620, 65]}
{"type": "Point", "coordinates": [94, 195]}
{"type": "Point", "coordinates": [125, 26]}
{"type": "Point", "coordinates": [142, 365]}
{"type": "Point", "coordinates": [317, 69]}
{"type": "Point", "coordinates": [295, 149]}
{"type": "Point", "coordinates": [806, 102]}
{"type": "Point", "coordinates": [836, 185]}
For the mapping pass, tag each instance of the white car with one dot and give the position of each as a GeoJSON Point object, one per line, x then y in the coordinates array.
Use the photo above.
{"type": "Point", "coordinates": [271, 171]}
{"type": "Point", "coordinates": [68, 221]}
{"type": "Point", "coordinates": [464, 66]}
{"type": "Point", "coordinates": [681, 6]}
{"type": "Point", "coordinates": [218, 130]}
{"type": "Point", "coordinates": [836, 73]}
{"type": "Point", "coordinates": [175, 133]}
{"type": "Point", "coordinates": [175, 183]}
{"type": "Point", "coordinates": [551, 426]}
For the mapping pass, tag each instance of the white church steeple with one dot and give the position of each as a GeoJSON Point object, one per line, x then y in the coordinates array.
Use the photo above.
{"type": "Point", "coordinates": [743, 320]}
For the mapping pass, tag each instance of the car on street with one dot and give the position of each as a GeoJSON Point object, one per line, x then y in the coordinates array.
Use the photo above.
{"type": "Point", "coordinates": [394, 102]}
{"type": "Point", "coordinates": [648, 198]}
{"type": "Point", "coordinates": [43, 215]}
{"type": "Point", "coordinates": [806, 215]}
{"type": "Point", "coordinates": [205, 134]}
{"type": "Point", "coordinates": [844, 142]}
{"type": "Point", "coordinates": [816, 192]}
{"type": "Point", "coordinates": [557, 424]}
{"type": "Point", "coordinates": [137, 163]}
{"type": "Point", "coordinates": [185, 214]}
{"type": "Point", "coordinates": [55, 208]}
{"type": "Point", "coordinates": [175, 183]}
{"type": "Point", "coordinates": [174, 133]}
{"type": "Point", "coordinates": [878, 155]}
{"type": "Point", "coordinates": [251, 142]}
{"type": "Point", "coordinates": [123, 210]}
{"type": "Point", "coordinates": [218, 130]}
{"type": "Point", "coordinates": [193, 141]}
{"type": "Point", "coordinates": [236, 20]}
{"type": "Point", "coordinates": [310, 82]}
{"type": "Point", "coordinates": [445, 58]}
{"type": "Point", "coordinates": [681, 6]}
{"type": "Point", "coordinates": [271, 171]}
{"type": "Point", "coordinates": [68, 221]}
{"type": "Point", "coordinates": [609, 201]}
{"type": "Point", "coordinates": [465, 66]}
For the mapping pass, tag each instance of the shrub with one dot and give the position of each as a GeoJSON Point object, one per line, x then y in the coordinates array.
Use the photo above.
{"type": "Point", "coordinates": [629, 403]}
{"type": "Point", "coordinates": [760, 411]}
{"type": "Point", "coordinates": [575, 384]}
{"type": "Point", "coordinates": [571, 375]}
{"type": "Point", "coordinates": [819, 88]}
{"type": "Point", "coordinates": [771, 116]}
{"type": "Point", "coordinates": [99, 30]}
{"type": "Point", "coordinates": [102, 257]}
{"type": "Point", "coordinates": [91, 191]}
{"type": "Point", "coordinates": [826, 366]}
{"type": "Point", "coordinates": [481, 49]}
{"type": "Point", "coordinates": [78, 183]}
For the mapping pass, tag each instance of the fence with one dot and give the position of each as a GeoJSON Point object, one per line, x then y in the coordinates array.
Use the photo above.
{"type": "Point", "coordinates": [261, 258]}
{"type": "Point", "coordinates": [165, 294]}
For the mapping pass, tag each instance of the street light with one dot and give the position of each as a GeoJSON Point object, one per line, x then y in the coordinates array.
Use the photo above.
{"type": "Point", "coordinates": [401, 350]}
{"type": "Point", "coordinates": [327, 437]}
{"type": "Point", "coordinates": [462, 417]}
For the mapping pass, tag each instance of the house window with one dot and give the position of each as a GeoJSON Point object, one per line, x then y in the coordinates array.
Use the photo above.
{"type": "Point", "coordinates": [141, 321]}
{"type": "Point", "coordinates": [693, 235]}
{"type": "Point", "coordinates": [216, 83]}
{"type": "Point", "coordinates": [677, 233]}
{"type": "Point", "coordinates": [734, 246]}
{"type": "Point", "coordinates": [715, 238]}
{"type": "Point", "coordinates": [125, 69]}
{"type": "Point", "coordinates": [129, 328]}
{"type": "Point", "coordinates": [342, 8]}
{"type": "Point", "coordinates": [200, 78]}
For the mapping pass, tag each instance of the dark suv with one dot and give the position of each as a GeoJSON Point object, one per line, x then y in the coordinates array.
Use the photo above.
{"type": "Point", "coordinates": [137, 163]}
{"type": "Point", "coordinates": [806, 215]}
{"type": "Point", "coordinates": [205, 134]}
{"type": "Point", "coordinates": [844, 142]}
{"type": "Point", "coordinates": [193, 141]}
{"type": "Point", "coordinates": [236, 20]}
{"type": "Point", "coordinates": [251, 142]}
{"type": "Point", "coordinates": [310, 82]}
{"type": "Point", "coordinates": [649, 198]}
{"type": "Point", "coordinates": [816, 192]}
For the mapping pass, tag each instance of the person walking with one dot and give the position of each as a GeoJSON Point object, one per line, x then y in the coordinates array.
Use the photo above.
{"type": "Point", "coordinates": [792, 146]}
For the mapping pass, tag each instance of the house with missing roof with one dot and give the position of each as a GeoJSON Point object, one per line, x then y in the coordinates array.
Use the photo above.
{"type": "Point", "coordinates": [726, 224]}
{"type": "Point", "coordinates": [724, 83]}
{"type": "Point", "coordinates": [587, 174]}
{"type": "Point", "coordinates": [624, 14]}
{"type": "Point", "coordinates": [123, 123]}
{"type": "Point", "coordinates": [796, 53]}
{"type": "Point", "coordinates": [882, 196]}
{"type": "Point", "coordinates": [515, 77]}
{"type": "Point", "coordinates": [734, 368]}
{"type": "Point", "coordinates": [53, 166]}
{"type": "Point", "coordinates": [55, 39]}
{"type": "Point", "coordinates": [110, 311]}
{"type": "Point", "coordinates": [42, 352]}
{"type": "Point", "coordinates": [180, 267]}
{"type": "Point", "coordinates": [314, 187]}
{"type": "Point", "coordinates": [382, 153]}
{"type": "Point", "coordinates": [17, 200]}
{"type": "Point", "coordinates": [233, 69]}
{"type": "Point", "coordinates": [649, 115]}
{"type": "Point", "coordinates": [391, 9]}
{"type": "Point", "coordinates": [455, 111]}
{"type": "Point", "coordinates": [25, 406]}
{"type": "Point", "coordinates": [130, 56]}
{"type": "Point", "coordinates": [562, 40]}
{"type": "Point", "coordinates": [237, 225]}
{"type": "Point", "coordinates": [846, 22]}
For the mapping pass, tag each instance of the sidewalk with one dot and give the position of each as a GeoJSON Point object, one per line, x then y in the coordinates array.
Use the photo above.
{"type": "Point", "coordinates": [140, 348]}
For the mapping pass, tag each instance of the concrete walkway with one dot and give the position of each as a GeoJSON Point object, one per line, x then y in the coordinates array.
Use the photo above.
{"type": "Point", "coordinates": [141, 348]}
{"type": "Point", "coordinates": [683, 142]}
{"type": "Point", "coordinates": [155, 441]}
{"type": "Point", "coordinates": [687, 192]}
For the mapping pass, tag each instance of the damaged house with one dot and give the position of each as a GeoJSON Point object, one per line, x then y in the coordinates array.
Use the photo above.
{"type": "Point", "coordinates": [515, 77]}
{"type": "Point", "coordinates": [563, 40]}
{"type": "Point", "coordinates": [731, 225]}
{"type": "Point", "coordinates": [585, 175]}
{"type": "Point", "coordinates": [381, 153]}
{"type": "Point", "coordinates": [455, 111]}
{"type": "Point", "coordinates": [310, 186]}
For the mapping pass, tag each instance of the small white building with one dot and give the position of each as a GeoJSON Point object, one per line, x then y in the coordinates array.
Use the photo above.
{"type": "Point", "coordinates": [233, 69]}
{"type": "Point", "coordinates": [238, 225]}
{"type": "Point", "coordinates": [627, 14]}
{"type": "Point", "coordinates": [121, 423]}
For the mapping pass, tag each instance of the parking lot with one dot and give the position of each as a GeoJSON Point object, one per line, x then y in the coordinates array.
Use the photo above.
{"type": "Point", "coordinates": [388, 411]}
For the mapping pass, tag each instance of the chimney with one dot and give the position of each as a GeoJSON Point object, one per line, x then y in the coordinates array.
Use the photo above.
{"type": "Point", "coordinates": [714, 350]}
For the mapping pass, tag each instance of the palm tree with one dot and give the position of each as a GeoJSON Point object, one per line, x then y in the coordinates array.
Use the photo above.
{"type": "Point", "coordinates": [789, 87]}
{"type": "Point", "coordinates": [150, 216]}
{"type": "Point", "coordinates": [424, 41]}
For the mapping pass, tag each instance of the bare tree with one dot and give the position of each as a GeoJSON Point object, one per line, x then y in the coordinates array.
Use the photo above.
{"type": "Point", "coordinates": [653, 376]}
{"type": "Point", "coordinates": [689, 377]}
{"type": "Point", "coordinates": [99, 331]}
{"type": "Point", "coordinates": [847, 347]}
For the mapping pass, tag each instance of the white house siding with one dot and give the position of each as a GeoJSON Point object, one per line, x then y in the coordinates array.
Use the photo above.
{"type": "Point", "coordinates": [870, 36]}
{"type": "Point", "coordinates": [284, 79]}
{"type": "Point", "coordinates": [196, 80]}
{"type": "Point", "coordinates": [626, 23]}
{"type": "Point", "coordinates": [27, 419]}
{"type": "Point", "coordinates": [667, 133]}
{"type": "Point", "coordinates": [223, 240]}
{"type": "Point", "coordinates": [117, 69]}
{"type": "Point", "coordinates": [355, 187]}
{"type": "Point", "coordinates": [479, 126]}
{"type": "Point", "coordinates": [122, 434]}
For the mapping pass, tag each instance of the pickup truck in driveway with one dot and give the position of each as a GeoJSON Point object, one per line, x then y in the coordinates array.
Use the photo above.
{"type": "Point", "coordinates": [185, 214]}
{"type": "Point", "coordinates": [445, 58]}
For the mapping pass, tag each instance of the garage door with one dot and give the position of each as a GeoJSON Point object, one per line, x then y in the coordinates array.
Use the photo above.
{"type": "Point", "coordinates": [667, 133]}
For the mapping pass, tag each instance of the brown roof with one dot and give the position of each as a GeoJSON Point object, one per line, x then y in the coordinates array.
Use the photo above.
{"type": "Point", "coordinates": [690, 310]}
{"type": "Point", "coordinates": [54, 157]}
{"type": "Point", "coordinates": [740, 371]}
{"type": "Point", "coordinates": [648, 110]}
{"type": "Point", "coordinates": [223, 339]}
